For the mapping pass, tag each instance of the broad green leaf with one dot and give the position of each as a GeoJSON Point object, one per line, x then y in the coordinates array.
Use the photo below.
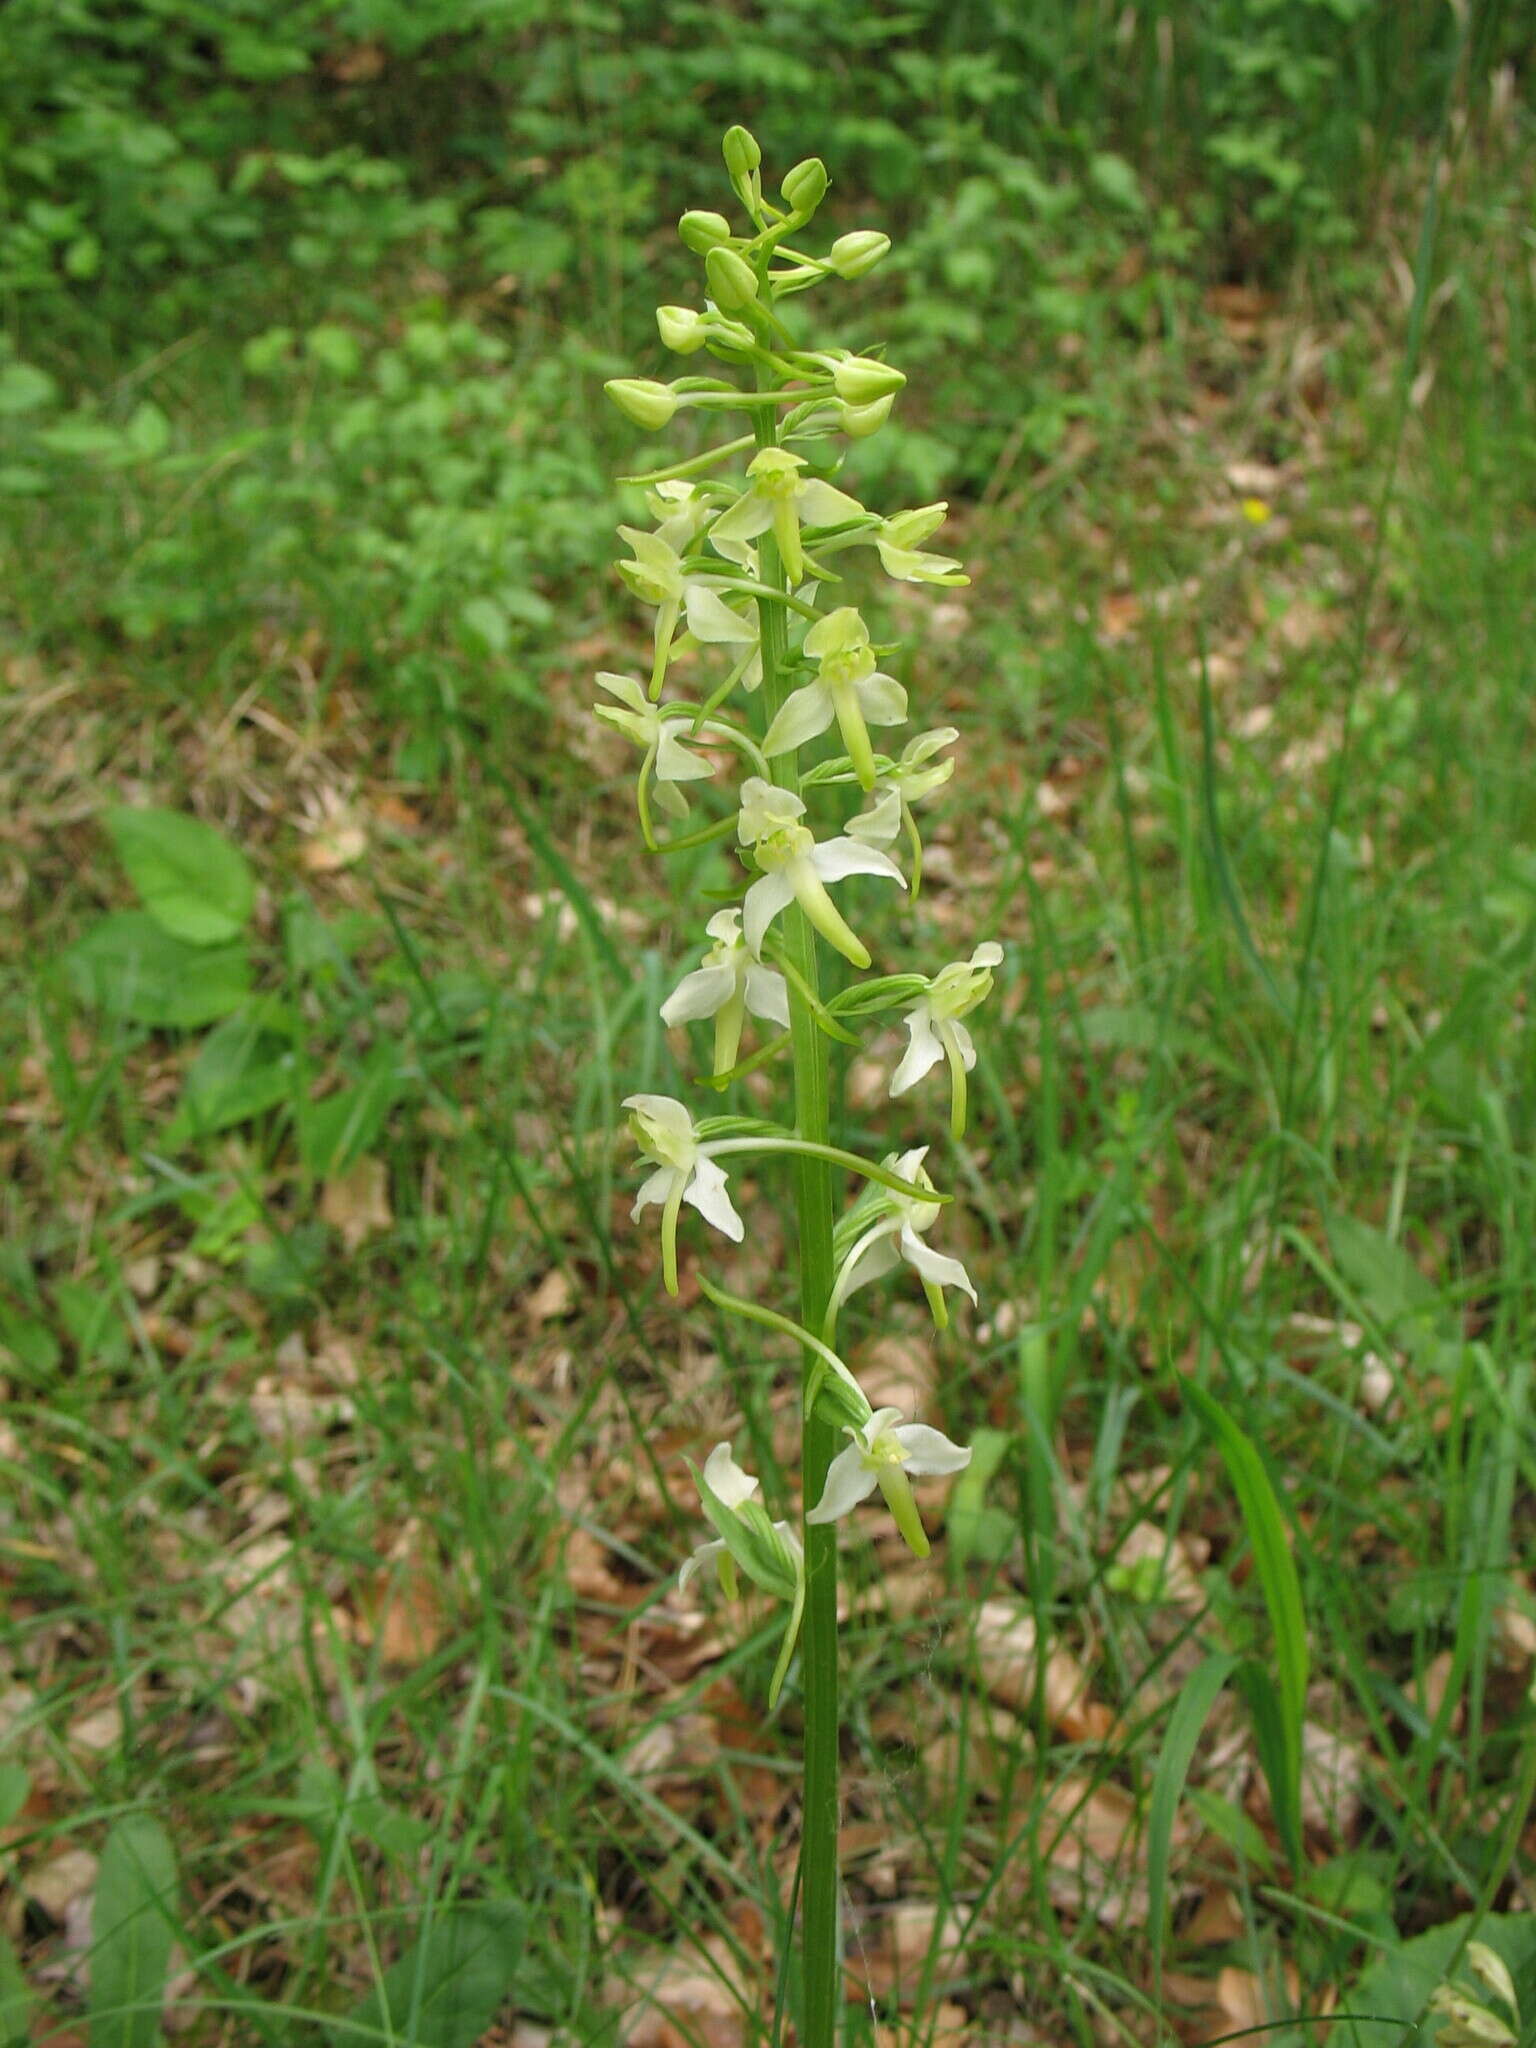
{"type": "Point", "coordinates": [1113, 179]}
{"type": "Point", "coordinates": [1394, 1991]}
{"type": "Point", "coordinates": [1390, 1284]}
{"type": "Point", "coordinates": [23, 388]}
{"type": "Point", "coordinates": [485, 625]}
{"type": "Point", "coordinates": [30, 1342]}
{"type": "Point", "coordinates": [974, 1526]}
{"type": "Point", "coordinates": [1282, 1596]}
{"type": "Point", "coordinates": [446, 1989]}
{"type": "Point", "coordinates": [14, 1787]}
{"type": "Point", "coordinates": [15, 1999]}
{"type": "Point", "coordinates": [241, 1070]}
{"type": "Point", "coordinates": [1189, 1714]}
{"type": "Point", "coordinates": [133, 1924]}
{"type": "Point", "coordinates": [187, 875]}
{"type": "Point", "coordinates": [337, 1131]}
{"type": "Point", "coordinates": [131, 967]}
{"type": "Point", "coordinates": [148, 431]}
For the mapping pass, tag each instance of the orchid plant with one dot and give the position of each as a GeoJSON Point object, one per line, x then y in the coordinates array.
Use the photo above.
{"type": "Point", "coordinates": [733, 573]}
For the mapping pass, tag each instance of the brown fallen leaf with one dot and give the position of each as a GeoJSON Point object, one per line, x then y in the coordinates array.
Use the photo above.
{"type": "Point", "coordinates": [1218, 1918]}
{"type": "Point", "coordinates": [947, 2025]}
{"type": "Point", "coordinates": [356, 1203]}
{"type": "Point", "coordinates": [693, 2000]}
{"type": "Point", "coordinates": [1004, 1634]}
{"type": "Point", "coordinates": [1333, 1771]}
{"type": "Point", "coordinates": [1089, 1842]}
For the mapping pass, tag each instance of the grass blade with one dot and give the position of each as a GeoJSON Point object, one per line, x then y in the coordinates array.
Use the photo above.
{"type": "Point", "coordinates": [1265, 1523]}
{"type": "Point", "coordinates": [1190, 1709]}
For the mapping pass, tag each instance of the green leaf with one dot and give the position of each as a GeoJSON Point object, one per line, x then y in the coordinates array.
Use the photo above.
{"type": "Point", "coordinates": [334, 348]}
{"type": "Point", "coordinates": [15, 1999]}
{"type": "Point", "coordinates": [1276, 1568]}
{"type": "Point", "coordinates": [23, 388]}
{"type": "Point", "coordinates": [241, 1070]}
{"type": "Point", "coordinates": [974, 1526]}
{"type": "Point", "coordinates": [446, 1989]}
{"type": "Point", "coordinates": [337, 1131]}
{"type": "Point", "coordinates": [1113, 179]}
{"type": "Point", "coordinates": [1390, 1284]}
{"type": "Point", "coordinates": [187, 875]}
{"type": "Point", "coordinates": [1394, 1991]}
{"type": "Point", "coordinates": [148, 431]}
{"type": "Point", "coordinates": [14, 1787]}
{"type": "Point", "coordinates": [485, 626]}
{"type": "Point", "coordinates": [133, 1925]}
{"type": "Point", "coordinates": [131, 967]}
{"type": "Point", "coordinates": [1190, 1709]}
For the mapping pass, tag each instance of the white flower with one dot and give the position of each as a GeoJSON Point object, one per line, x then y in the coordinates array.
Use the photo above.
{"type": "Point", "coordinates": [796, 870]}
{"type": "Point", "coordinates": [848, 688]}
{"type": "Point", "coordinates": [685, 1172]}
{"type": "Point", "coordinates": [655, 574]}
{"type": "Point", "coordinates": [681, 511]}
{"type": "Point", "coordinates": [894, 1234]}
{"type": "Point", "coordinates": [779, 498]}
{"type": "Point", "coordinates": [901, 556]}
{"type": "Point", "coordinates": [732, 1487]}
{"type": "Point", "coordinates": [903, 783]}
{"type": "Point", "coordinates": [659, 729]}
{"type": "Point", "coordinates": [882, 1452]}
{"type": "Point", "coordinates": [934, 1030]}
{"type": "Point", "coordinates": [728, 985]}
{"type": "Point", "coordinates": [768, 1552]}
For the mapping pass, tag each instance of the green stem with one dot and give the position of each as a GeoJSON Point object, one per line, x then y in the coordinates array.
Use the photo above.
{"type": "Point", "coordinates": [821, 1965]}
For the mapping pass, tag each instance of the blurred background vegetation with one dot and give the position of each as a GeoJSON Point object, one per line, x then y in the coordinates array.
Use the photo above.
{"type": "Point", "coordinates": [343, 1435]}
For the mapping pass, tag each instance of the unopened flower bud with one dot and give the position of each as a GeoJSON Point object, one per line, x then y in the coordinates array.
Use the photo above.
{"type": "Point", "coordinates": [646, 402]}
{"type": "Point", "coordinates": [702, 232]}
{"type": "Point", "coordinates": [682, 329]}
{"type": "Point", "coordinates": [741, 153]}
{"type": "Point", "coordinates": [730, 334]}
{"type": "Point", "coordinates": [860, 380]}
{"type": "Point", "coordinates": [856, 254]}
{"type": "Point", "coordinates": [732, 280]}
{"type": "Point", "coordinates": [805, 187]}
{"type": "Point", "coordinates": [859, 421]}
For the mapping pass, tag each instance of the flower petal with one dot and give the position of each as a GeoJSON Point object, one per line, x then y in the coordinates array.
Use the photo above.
{"type": "Point", "coordinates": [706, 1193]}
{"type": "Point", "coordinates": [725, 1478]}
{"type": "Point", "coordinates": [802, 715]}
{"type": "Point", "coordinates": [881, 699]}
{"type": "Point", "coordinates": [745, 520]}
{"type": "Point", "coordinates": [711, 618]}
{"type": "Point", "coordinates": [698, 995]}
{"type": "Point", "coordinates": [880, 825]}
{"type": "Point", "coordinates": [654, 1190]}
{"type": "Point", "coordinates": [932, 1265]}
{"type": "Point", "coordinates": [818, 504]}
{"type": "Point", "coordinates": [924, 1051]}
{"type": "Point", "coordinates": [928, 1453]}
{"type": "Point", "coordinates": [626, 689]}
{"type": "Point", "coordinates": [768, 994]}
{"type": "Point", "coordinates": [836, 859]}
{"type": "Point", "coordinates": [849, 1480]}
{"type": "Point", "coordinates": [705, 1553]}
{"type": "Point", "coordinates": [674, 763]}
{"type": "Point", "coordinates": [964, 1044]}
{"type": "Point", "coordinates": [873, 1261]}
{"type": "Point", "coordinates": [762, 904]}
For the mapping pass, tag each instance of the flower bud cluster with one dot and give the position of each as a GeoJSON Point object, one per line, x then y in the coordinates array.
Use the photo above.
{"type": "Point", "coordinates": [738, 555]}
